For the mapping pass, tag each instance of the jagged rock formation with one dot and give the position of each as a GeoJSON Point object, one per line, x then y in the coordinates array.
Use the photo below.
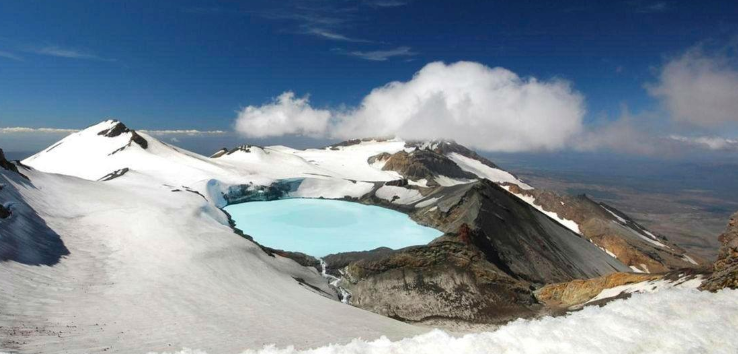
{"type": "Point", "coordinates": [614, 231]}
{"type": "Point", "coordinates": [725, 269]}
{"type": "Point", "coordinates": [579, 291]}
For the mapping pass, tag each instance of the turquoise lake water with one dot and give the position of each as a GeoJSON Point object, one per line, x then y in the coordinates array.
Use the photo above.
{"type": "Point", "coordinates": [319, 227]}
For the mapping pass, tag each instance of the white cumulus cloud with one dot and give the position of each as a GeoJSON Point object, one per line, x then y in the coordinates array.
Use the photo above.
{"type": "Point", "coordinates": [286, 115]}
{"type": "Point", "coordinates": [699, 89]}
{"type": "Point", "coordinates": [491, 109]}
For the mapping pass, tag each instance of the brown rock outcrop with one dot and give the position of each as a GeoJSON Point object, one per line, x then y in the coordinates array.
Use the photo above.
{"type": "Point", "coordinates": [444, 281]}
{"type": "Point", "coordinates": [576, 292]}
{"type": "Point", "coordinates": [421, 164]}
{"type": "Point", "coordinates": [725, 269]}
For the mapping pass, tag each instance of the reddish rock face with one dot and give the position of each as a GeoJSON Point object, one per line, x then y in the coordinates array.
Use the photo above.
{"type": "Point", "coordinates": [725, 270]}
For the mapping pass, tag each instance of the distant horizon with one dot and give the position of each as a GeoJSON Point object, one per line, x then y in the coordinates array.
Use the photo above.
{"type": "Point", "coordinates": [626, 77]}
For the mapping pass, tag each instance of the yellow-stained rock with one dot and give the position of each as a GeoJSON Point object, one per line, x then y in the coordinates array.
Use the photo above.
{"type": "Point", "coordinates": [580, 291]}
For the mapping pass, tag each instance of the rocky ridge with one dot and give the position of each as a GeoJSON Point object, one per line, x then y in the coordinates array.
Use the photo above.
{"type": "Point", "coordinates": [496, 239]}
{"type": "Point", "coordinates": [613, 231]}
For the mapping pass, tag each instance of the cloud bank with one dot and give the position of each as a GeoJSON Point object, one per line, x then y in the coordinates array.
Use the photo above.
{"type": "Point", "coordinates": [698, 98]}
{"type": "Point", "coordinates": [491, 109]}
{"type": "Point", "coordinates": [699, 89]}
{"type": "Point", "coordinates": [708, 142]}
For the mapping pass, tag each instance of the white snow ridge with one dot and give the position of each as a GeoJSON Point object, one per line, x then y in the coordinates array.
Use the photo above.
{"type": "Point", "coordinates": [670, 322]}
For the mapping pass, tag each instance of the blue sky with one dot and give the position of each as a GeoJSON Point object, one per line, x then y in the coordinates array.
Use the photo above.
{"type": "Point", "coordinates": [195, 64]}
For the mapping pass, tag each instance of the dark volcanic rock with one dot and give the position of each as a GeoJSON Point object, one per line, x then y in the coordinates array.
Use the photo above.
{"type": "Point", "coordinates": [338, 261]}
{"type": "Point", "coordinates": [4, 163]}
{"type": "Point", "coordinates": [518, 238]}
{"type": "Point", "coordinates": [244, 148]}
{"type": "Point", "coordinates": [119, 128]}
{"type": "Point", "coordinates": [398, 182]}
{"type": "Point", "coordinates": [725, 269]}
{"type": "Point", "coordinates": [447, 280]}
{"type": "Point", "coordinates": [113, 175]}
{"type": "Point", "coordinates": [497, 248]}
{"type": "Point", "coordinates": [4, 212]}
{"type": "Point", "coordinates": [613, 230]}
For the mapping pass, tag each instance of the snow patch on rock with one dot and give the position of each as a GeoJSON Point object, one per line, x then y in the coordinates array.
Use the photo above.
{"type": "Point", "coordinates": [652, 286]}
{"type": "Point", "coordinates": [449, 182]}
{"type": "Point", "coordinates": [483, 171]}
{"type": "Point", "coordinates": [569, 224]}
{"type": "Point", "coordinates": [398, 195]}
{"type": "Point", "coordinates": [331, 189]}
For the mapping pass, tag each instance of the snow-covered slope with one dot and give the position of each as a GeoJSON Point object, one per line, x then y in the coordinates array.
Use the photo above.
{"type": "Point", "coordinates": [93, 154]}
{"type": "Point", "coordinates": [90, 154]}
{"type": "Point", "coordinates": [148, 269]}
{"type": "Point", "coordinates": [136, 256]}
{"type": "Point", "coordinates": [350, 161]}
{"type": "Point", "coordinates": [483, 171]}
{"type": "Point", "coordinates": [674, 321]}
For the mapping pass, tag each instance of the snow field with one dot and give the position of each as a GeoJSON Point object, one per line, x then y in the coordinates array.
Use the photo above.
{"type": "Point", "coordinates": [672, 321]}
